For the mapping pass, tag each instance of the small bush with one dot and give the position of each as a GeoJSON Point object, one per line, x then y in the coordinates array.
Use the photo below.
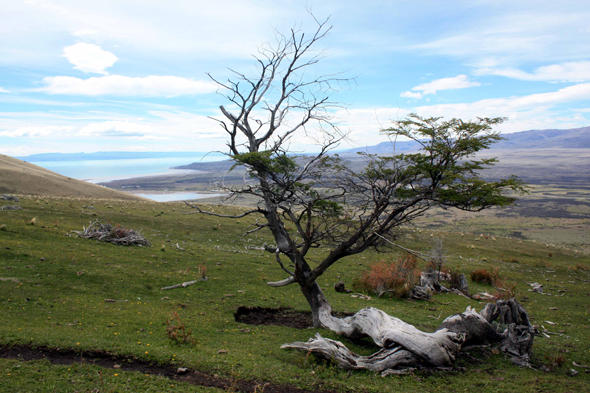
{"type": "Point", "coordinates": [202, 270]}
{"type": "Point", "coordinates": [580, 268]}
{"type": "Point", "coordinates": [396, 278]}
{"type": "Point", "coordinates": [485, 277]}
{"type": "Point", "coordinates": [504, 290]}
{"type": "Point", "coordinates": [555, 361]}
{"type": "Point", "coordinates": [176, 330]}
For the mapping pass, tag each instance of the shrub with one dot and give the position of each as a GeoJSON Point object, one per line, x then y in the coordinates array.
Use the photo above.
{"type": "Point", "coordinates": [555, 360]}
{"type": "Point", "coordinates": [485, 277]}
{"type": "Point", "coordinates": [176, 330]}
{"type": "Point", "coordinates": [396, 278]}
{"type": "Point", "coordinates": [504, 290]}
{"type": "Point", "coordinates": [202, 270]}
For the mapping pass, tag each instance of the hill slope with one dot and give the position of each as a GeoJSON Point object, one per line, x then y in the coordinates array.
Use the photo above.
{"type": "Point", "coordinates": [23, 178]}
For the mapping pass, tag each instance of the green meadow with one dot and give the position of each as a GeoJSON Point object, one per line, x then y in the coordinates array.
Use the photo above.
{"type": "Point", "coordinates": [62, 292]}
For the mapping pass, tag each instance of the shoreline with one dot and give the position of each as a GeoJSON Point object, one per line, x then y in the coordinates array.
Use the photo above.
{"type": "Point", "coordinates": [173, 196]}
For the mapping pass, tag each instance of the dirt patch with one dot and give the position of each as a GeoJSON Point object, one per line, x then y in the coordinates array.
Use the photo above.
{"type": "Point", "coordinates": [278, 316]}
{"type": "Point", "coordinates": [274, 316]}
{"type": "Point", "coordinates": [126, 363]}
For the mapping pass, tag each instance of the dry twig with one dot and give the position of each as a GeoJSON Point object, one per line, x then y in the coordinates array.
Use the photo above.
{"type": "Point", "coordinates": [113, 234]}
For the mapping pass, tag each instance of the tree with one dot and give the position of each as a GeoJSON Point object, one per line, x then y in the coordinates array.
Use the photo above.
{"type": "Point", "coordinates": [311, 201]}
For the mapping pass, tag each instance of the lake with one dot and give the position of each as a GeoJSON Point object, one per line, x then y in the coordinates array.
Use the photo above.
{"type": "Point", "coordinates": [98, 171]}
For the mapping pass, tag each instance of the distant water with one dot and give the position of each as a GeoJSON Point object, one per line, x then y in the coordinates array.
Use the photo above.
{"type": "Point", "coordinates": [98, 171]}
{"type": "Point", "coordinates": [176, 196]}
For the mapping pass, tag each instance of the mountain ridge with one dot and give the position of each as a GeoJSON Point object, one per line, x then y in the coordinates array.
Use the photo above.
{"type": "Point", "coordinates": [573, 138]}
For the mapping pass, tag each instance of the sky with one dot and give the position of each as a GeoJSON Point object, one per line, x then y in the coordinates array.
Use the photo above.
{"type": "Point", "coordinates": [132, 75]}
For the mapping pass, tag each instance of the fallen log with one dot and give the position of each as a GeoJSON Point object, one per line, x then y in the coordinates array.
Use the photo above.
{"type": "Point", "coordinates": [405, 346]}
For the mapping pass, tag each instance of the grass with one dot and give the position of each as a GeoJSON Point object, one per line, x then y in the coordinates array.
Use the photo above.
{"type": "Point", "coordinates": [53, 288]}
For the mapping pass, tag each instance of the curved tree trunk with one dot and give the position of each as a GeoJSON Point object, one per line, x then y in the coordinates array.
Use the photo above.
{"type": "Point", "coordinates": [405, 346]}
{"type": "Point", "coordinates": [321, 310]}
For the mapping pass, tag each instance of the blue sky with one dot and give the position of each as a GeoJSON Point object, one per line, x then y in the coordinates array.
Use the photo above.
{"type": "Point", "coordinates": [86, 76]}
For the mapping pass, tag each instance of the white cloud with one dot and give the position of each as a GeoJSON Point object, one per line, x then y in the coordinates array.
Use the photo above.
{"type": "Point", "coordinates": [117, 129]}
{"type": "Point", "coordinates": [409, 94]}
{"type": "Point", "coordinates": [456, 82]}
{"type": "Point", "coordinates": [89, 58]}
{"type": "Point", "coordinates": [3, 90]}
{"type": "Point", "coordinates": [533, 111]}
{"type": "Point", "coordinates": [571, 72]}
{"type": "Point", "coordinates": [36, 131]}
{"type": "Point", "coordinates": [152, 86]}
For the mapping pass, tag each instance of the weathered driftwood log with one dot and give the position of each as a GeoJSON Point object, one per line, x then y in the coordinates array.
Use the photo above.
{"type": "Point", "coordinates": [387, 358]}
{"type": "Point", "coordinates": [405, 346]}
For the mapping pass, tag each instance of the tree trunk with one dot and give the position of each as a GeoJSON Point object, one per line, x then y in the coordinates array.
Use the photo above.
{"type": "Point", "coordinates": [405, 346]}
{"type": "Point", "coordinates": [320, 307]}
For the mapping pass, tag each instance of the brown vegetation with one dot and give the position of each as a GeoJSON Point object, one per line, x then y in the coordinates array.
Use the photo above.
{"type": "Point", "coordinates": [396, 278]}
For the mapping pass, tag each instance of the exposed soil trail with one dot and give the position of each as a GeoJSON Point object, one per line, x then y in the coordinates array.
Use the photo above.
{"type": "Point", "coordinates": [124, 363]}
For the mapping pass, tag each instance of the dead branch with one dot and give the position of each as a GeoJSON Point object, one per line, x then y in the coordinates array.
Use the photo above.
{"type": "Point", "coordinates": [113, 234]}
{"type": "Point", "coordinates": [184, 284]}
{"type": "Point", "coordinates": [10, 208]}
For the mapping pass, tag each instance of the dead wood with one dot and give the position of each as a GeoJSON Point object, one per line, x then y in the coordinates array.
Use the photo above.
{"type": "Point", "coordinates": [405, 346]}
{"type": "Point", "coordinates": [113, 234]}
{"type": "Point", "coordinates": [10, 208]}
{"type": "Point", "coordinates": [184, 284]}
{"type": "Point", "coordinates": [7, 197]}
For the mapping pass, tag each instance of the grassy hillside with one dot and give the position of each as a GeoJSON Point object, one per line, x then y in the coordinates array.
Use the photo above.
{"type": "Point", "coordinates": [22, 178]}
{"type": "Point", "coordinates": [60, 291]}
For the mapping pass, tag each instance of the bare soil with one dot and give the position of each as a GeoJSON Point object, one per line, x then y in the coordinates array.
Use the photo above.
{"type": "Point", "coordinates": [278, 316]}
{"type": "Point", "coordinates": [274, 316]}
{"type": "Point", "coordinates": [124, 363]}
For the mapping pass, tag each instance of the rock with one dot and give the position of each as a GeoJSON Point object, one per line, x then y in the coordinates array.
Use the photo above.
{"type": "Point", "coordinates": [573, 372]}
{"type": "Point", "coordinates": [182, 370]}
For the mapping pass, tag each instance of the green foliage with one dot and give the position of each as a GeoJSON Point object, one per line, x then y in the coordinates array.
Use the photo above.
{"type": "Point", "coordinates": [445, 170]}
{"type": "Point", "coordinates": [265, 163]}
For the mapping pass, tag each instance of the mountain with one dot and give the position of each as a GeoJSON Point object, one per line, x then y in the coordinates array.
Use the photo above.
{"type": "Point", "coordinates": [386, 147]}
{"type": "Point", "coordinates": [22, 178]}
{"type": "Point", "coordinates": [110, 155]}
{"type": "Point", "coordinates": [575, 138]}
